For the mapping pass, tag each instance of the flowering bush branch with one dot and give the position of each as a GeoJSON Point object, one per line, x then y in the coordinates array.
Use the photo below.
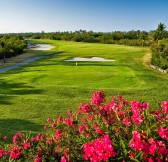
{"type": "Point", "coordinates": [120, 130]}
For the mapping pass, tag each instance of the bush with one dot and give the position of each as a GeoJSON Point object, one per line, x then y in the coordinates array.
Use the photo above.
{"type": "Point", "coordinates": [11, 46]}
{"type": "Point", "coordinates": [160, 55]}
{"type": "Point", "coordinates": [133, 42]}
{"type": "Point", "coordinates": [120, 130]}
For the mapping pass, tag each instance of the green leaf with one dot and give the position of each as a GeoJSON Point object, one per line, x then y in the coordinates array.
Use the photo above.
{"type": "Point", "coordinates": [122, 144]}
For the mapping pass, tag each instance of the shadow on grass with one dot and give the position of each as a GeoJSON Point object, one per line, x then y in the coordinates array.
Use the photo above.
{"type": "Point", "coordinates": [39, 52]}
{"type": "Point", "coordinates": [11, 126]}
{"type": "Point", "coordinates": [89, 64]}
{"type": "Point", "coordinates": [10, 90]}
{"type": "Point", "coordinates": [46, 57]}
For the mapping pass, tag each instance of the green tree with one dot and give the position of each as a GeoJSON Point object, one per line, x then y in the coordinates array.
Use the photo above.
{"type": "Point", "coordinates": [11, 45]}
{"type": "Point", "coordinates": [159, 33]}
{"type": "Point", "coordinates": [3, 51]}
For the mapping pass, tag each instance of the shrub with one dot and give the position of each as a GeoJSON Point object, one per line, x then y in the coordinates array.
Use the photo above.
{"type": "Point", "coordinates": [11, 45]}
{"type": "Point", "coordinates": [133, 42]}
{"type": "Point", "coordinates": [160, 55]}
{"type": "Point", "coordinates": [120, 130]}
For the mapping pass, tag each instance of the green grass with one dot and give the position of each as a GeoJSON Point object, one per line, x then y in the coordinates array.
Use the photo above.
{"type": "Point", "coordinates": [48, 87]}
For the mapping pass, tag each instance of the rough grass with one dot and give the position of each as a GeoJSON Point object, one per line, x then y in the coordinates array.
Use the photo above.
{"type": "Point", "coordinates": [50, 86]}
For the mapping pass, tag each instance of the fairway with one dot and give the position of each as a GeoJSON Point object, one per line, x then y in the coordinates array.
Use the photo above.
{"type": "Point", "coordinates": [50, 86]}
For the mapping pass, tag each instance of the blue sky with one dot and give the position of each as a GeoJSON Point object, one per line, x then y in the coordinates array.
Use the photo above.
{"type": "Point", "coordinates": [72, 15]}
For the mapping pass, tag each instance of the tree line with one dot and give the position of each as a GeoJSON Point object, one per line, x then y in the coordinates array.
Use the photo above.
{"type": "Point", "coordinates": [156, 39]}
{"type": "Point", "coordinates": [11, 45]}
{"type": "Point", "coordinates": [132, 38]}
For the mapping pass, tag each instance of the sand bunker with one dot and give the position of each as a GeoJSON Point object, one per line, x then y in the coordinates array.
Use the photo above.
{"type": "Point", "coordinates": [93, 59]}
{"type": "Point", "coordinates": [42, 47]}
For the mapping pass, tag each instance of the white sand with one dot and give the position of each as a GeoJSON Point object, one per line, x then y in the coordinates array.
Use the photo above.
{"type": "Point", "coordinates": [95, 59]}
{"type": "Point", "coordinates": [42, 47]}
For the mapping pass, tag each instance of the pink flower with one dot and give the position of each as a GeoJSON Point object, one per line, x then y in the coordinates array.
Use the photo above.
{"type": "Point", "coordinates": [58, 134]}
{"type": "Point", "coordinates": [1, 153]}
{"type": "Point", "coordinates": [63, 159]}
{"type": "Point", "coordinates": [98, 98]}
{"type": "Point", "coordinates": [39, 154]}
{"type": "Point", "coordinates": [45, 127]}
{"type": "Point", "coordinates": [69, 122]}
{"type": "Point", "coordinates": [95, 126]}
{"type": "Point", "coordinates": [38, 159]}
{"type": "Point", "coordinates": [5, 138]}
{"type": "Point", "coordinates": [163, 151]}
{"type": "Point", "coordinates": [87, 135]}
{"type": "Point", "coordinates": [164, 105]}
{"type": "Point", "coordinates": [90, 117]}
{"type": "Point", "coordinates": [151, 141]}
{"type": "Point", "coordinates": [126, 121]}
{"type": "Point", "coordinates": [150, 160]}
{"type": "Point", "coordinates": [137, 119]}
{"type": "Point", "coordinates": [160, 143]}
{"type": "Point", "coordinates": [158, 159]}
{"type": "Point", "coordinates": [48, 120]}
{"type": "Point", "coordinates": [69, 113]}
{"type": "Point", "coordinates": [152, 148]}
{"type": "Point", "coordinates": [26, 145]}
{"type": "Point", "coordinates": [16, 137]}
{"type": "Point", "coordinates": [85, 108]}
{"type": "Point", "coordinates": [85, 126]}
{"type": "Point", "coordinates": [163, 133]}
{"type": "Point", "coordinates": [38, 137]}
{"type": "Point", "coordinates": [136, 106]}
{"type": "Point", "coordinates": [48, 141]}
{"type": "Point", "coordinates": [144, 106]}
{"type": "Point", "coordinates": [100, 149]}
{"type": "Point", "coordinates": [81, 129]}
{"type": "Point", "coordinates": [15, 152]}
{"type": "Point", "coordinates": [131, 155]}
{"type": "Point", "coordinates": [60, 119]}
{"type": "Point", "coordinates": [53, 125]}
{"type": "Point", "coordinates": [137, 144]}
{"type": "Point", "coordinates": [136, 135]}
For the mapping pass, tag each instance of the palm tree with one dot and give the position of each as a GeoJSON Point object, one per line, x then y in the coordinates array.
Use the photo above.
{"type": "Point", "coordinates": [159, 33]}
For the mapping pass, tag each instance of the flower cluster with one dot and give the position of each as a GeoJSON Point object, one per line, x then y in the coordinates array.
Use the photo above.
{"type": "Point", "coordinates": [98, 98]}
{"type": "Point", "coordinates": [163, 133]}
{"type": "Point", "coordinates": [120, 130]}
{"type": "Point", "coordinates": [100, 149]}
{"type": "Point", "coordinates": [15, 152]}
{"type": "Point", "coordinates": [149, 147]}
{"type": "Point", "coordinates": [164, 106]}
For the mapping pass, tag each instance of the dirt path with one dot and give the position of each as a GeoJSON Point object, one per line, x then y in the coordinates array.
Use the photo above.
{"type": "Point", "coordinates": [39, 47]}
{"type": "Point", "coordinates": [3, 70]}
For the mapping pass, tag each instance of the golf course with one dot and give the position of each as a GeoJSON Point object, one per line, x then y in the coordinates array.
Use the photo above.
{"type": "Point", "coordinates": [49, 86]}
